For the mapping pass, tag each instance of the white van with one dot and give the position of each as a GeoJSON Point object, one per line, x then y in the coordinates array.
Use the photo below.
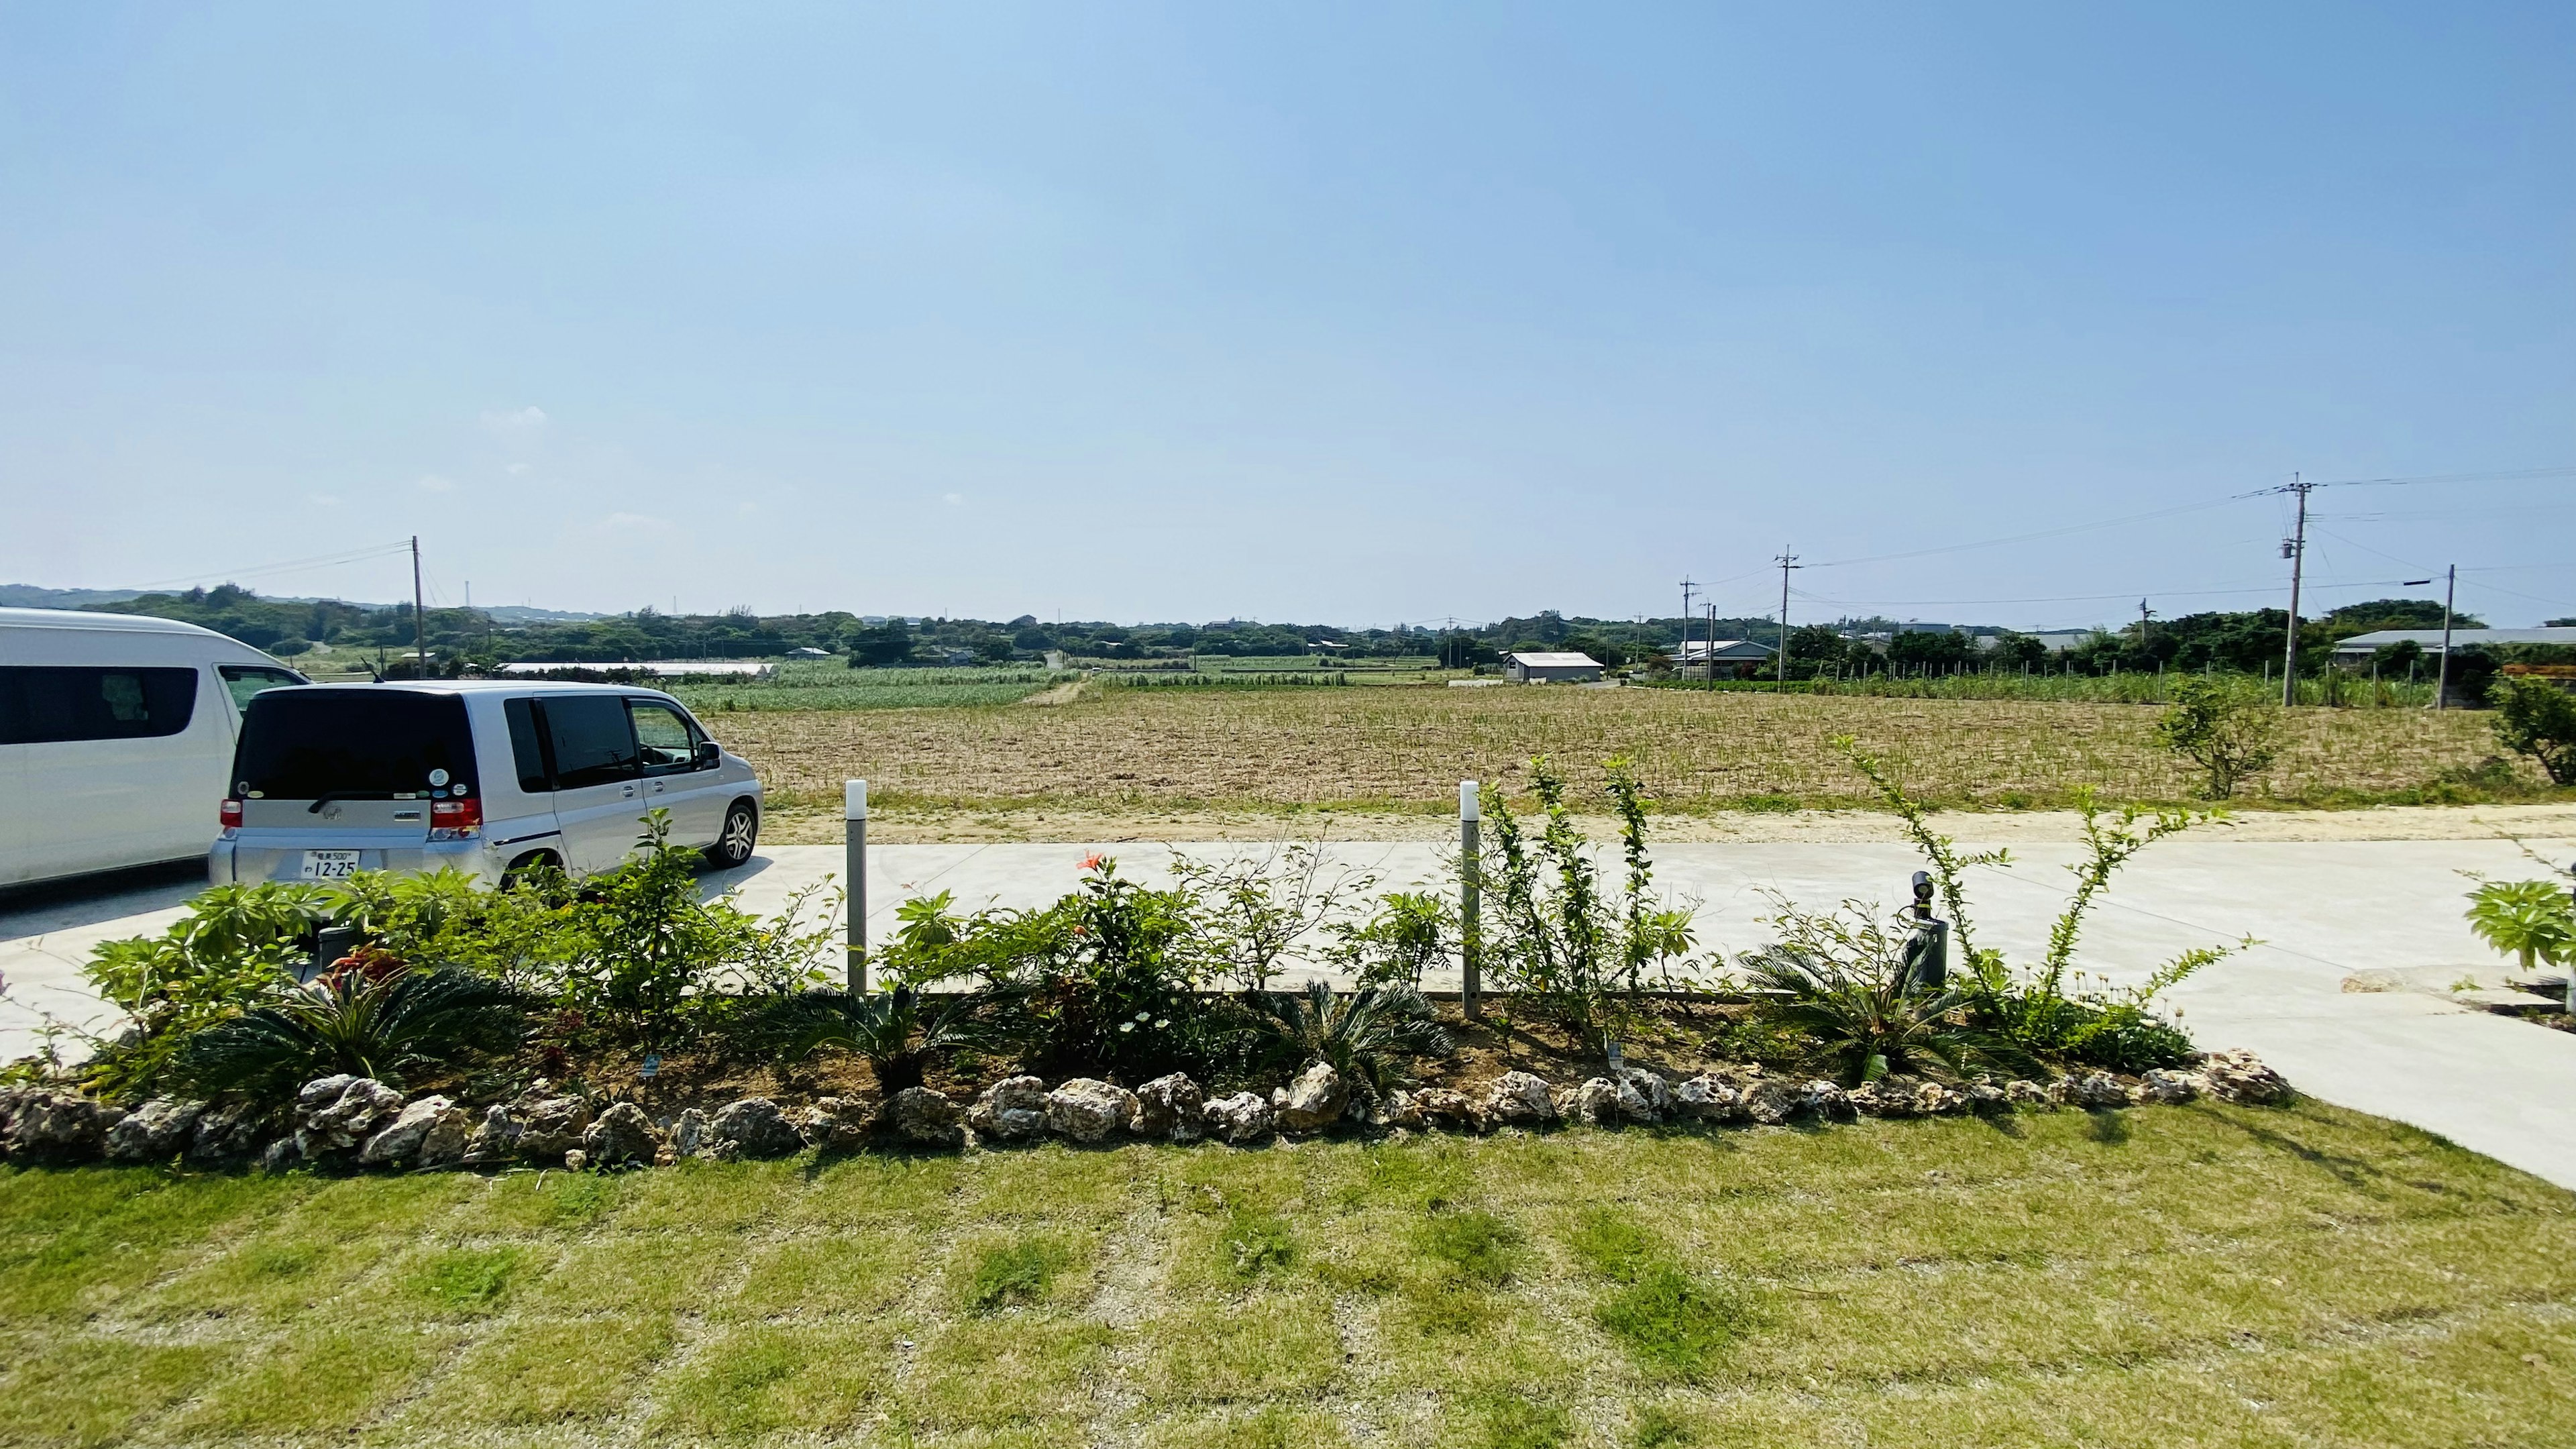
{"type": "Point", "coordinates": [115, 732]}
{"type": "Point", "coordinates": [486, 778]}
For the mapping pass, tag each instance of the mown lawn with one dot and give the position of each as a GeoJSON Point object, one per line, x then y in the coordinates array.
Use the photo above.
{"type": "Point", "coordinates": [2202, 1275]}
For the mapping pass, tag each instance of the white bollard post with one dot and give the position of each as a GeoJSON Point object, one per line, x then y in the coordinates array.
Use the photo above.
{"type": "Point", "coordinates": [1470, 880]}
{"type": "Point", "coordinates": [854, 838]}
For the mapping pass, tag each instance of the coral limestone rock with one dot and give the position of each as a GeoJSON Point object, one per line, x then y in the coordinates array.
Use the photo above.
{"type": "Point", "coordinates": [1314, 1100]}
{"type": "Point", "coordinates": [1170, 1106]}
{"type": "Point", "coordinates": [1011, 1110]}
{"type": "Point", "coordinates": [2240, 1076]}
{"type": "Point", "coordinates": [1518, 1099]}
{"type": "Point", "coordinates": [399, 1141]}
{"type": "Point", "coordinates": [924, 1117]}
{"type": "Point", "coordinates": [1243, 1117]}
{"type": "Point", "coordinates": [1089, 1110]}
{"type": "Point", "coordinates": [154, 1132]}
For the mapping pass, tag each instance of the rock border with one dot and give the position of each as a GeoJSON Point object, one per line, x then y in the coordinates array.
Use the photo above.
{"type": "Point", "coordinates": [360, 1123]}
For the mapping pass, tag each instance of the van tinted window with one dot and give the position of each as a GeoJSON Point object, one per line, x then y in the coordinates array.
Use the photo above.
{"type": "Point", "coordinates": [592, 742]}
{"type": "Point", "coordinates": [354, 744]}
{"type": "Point", "coordinates": [40, 705]}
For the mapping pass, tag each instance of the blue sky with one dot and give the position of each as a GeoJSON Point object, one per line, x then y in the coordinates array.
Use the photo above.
{"type": "Point", "coordinates": [1360, 314]}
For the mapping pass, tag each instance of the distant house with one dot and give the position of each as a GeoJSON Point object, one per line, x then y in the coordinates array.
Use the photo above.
{"type": "Point", "coordinates": [809, 652]}
{"type": "Point", "coordinates": [2358, 649]}
{"type": "Point", "coordinates": [1536, 668]}
{"type": "Point", "coordinates": [1729, 658]}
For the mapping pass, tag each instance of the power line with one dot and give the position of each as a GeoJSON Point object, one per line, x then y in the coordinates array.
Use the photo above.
{"type": "Point", "coordinates": [318, 561]}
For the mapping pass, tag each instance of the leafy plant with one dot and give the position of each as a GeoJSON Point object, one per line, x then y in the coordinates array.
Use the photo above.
{"type": "Point", "coordinates": [1842, 982]}
{"type": "Point", "coordinates": [1103, 981]}
{"type": "Point", "coordinates": [1249, 910]}
{"type": "Point", "coordinates": [1555, 935]}
{"type": "Point", "coordinates": [2535, 717]}
{"type": "Point", "coordinates": [2226, 725]}
{"type": "Point", "coordinates": [2102, 1027]}
{"type": "Point", "coordinates": [1370, 1037]}
{"type": "Point", "coordinates": [900, 1031]}
{"type": "Point", "coordinates": [237, 946]}
{"type": "Point", "coordinates": [649, 963]}
{"type": "Point", "coordinates": [2531, 920]}
{"type": "Point", "coordinates": [1408, 934]}
{"type": "Point", "coordinates": [367, 1022]}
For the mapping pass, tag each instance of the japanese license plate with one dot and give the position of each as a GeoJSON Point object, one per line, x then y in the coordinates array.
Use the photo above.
{"type": "Point", "coordinates": [330, 864]}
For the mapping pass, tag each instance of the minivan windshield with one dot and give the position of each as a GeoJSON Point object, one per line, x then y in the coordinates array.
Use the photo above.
{"type": "Point", "coordinates": [353, 744]}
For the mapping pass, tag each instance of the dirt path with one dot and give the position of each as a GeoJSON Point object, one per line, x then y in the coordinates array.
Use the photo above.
{"type": "Point", "coordinates": [918, 825]}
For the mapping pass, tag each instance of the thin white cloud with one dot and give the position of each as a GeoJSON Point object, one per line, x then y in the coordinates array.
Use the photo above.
{"type": "Point", "coordinates": [641, 521]}
{"type": "Point", "coordinates": [432, 483]}
{"type": "Point", "coordinates": [953, 500]}
{"type": "Point", "coordinates": [515, 420]}
{"type": "Point", "coordinates": [516, 469]}
{"type": "Point", "coordinates": [325, 500]}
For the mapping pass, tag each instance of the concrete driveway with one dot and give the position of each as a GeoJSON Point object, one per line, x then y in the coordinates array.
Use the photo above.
{"type": "Point", "coordinates": [2323, 910]}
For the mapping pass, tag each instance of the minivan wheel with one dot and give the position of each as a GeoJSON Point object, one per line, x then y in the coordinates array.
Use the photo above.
{"type": "Point", "coordinates": [741, 833]}
{"type": "Point", "coordinates": [526, 865]}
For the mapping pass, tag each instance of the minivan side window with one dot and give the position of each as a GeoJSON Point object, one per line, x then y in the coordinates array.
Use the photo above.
{"type": "Point", "coordinates": [245, 680]}
{"type": "Point", "coordinates": [46, 705]}
{"type": "Point", "coordinates": [525, 751]}
{"type": "Point", "coordinates": [592, 741]}
{"type": "Point", "coordinates": [664, 738]}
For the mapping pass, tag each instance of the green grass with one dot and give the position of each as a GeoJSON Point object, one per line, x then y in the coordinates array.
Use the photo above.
{"type": "Point", "coordinates": [2205, 1275]}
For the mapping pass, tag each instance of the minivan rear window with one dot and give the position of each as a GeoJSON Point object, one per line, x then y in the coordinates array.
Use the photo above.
{"type": "Point", "coordinates": [354, 744]}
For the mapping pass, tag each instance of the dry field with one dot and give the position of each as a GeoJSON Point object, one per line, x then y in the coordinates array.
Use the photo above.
{"type": "Point", "coordinates": [1398, 749]}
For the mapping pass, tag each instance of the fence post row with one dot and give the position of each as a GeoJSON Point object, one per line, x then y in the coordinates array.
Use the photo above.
{"type": "Point", "coordinates": [1470, 868]}
{"type": "Point", "coordinates": [854, 845]}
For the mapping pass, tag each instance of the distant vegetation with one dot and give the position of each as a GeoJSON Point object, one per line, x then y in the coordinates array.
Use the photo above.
{"type": "Point", "coordinates": [467, 639]}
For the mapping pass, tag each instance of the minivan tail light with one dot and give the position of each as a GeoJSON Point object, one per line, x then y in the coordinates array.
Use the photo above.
{"type": "Point", "coordinates": [455, 819]}
{"type": "Point", "coordinates": [230, 815]}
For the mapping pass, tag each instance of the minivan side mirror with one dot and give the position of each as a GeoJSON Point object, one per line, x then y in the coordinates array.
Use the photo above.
{"type": "Point", "coordinates": [709, 755]}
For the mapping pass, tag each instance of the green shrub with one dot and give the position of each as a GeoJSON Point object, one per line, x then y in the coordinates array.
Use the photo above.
{"type": "Point", "coordinates": [1842, 983]}
{"type": "Point", "coordinates": [2227, 725]}
{"type": "Point", "coordinates": [1371, 1037]}
{"type": "Point", "coordinates": [900, 1032]}
{"type": "Point", "coordinates": [1408, 934]}
{"type": "Point", "coordinates": [1554, 933]}
{"type": "Point", "coordinates": [1104, 981]}
{"type": "Point", "coordinates": [2535, 717]}
{"type": "Point", "coordinates": [381, 1025]}
{"type": "Point", "coordinates": [2036, 1013]}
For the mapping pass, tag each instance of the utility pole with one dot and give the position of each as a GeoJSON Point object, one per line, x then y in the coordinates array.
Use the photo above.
{"type": "Point", "coordinates": [419, 620]}
{"type": "Point", "coordinates": [2295, 549]}
{"type": "Point", "coordinates": [1684, 653]}
{"type": "Point", "coordinates": [2442, 682]}
{"type": "Point", "coordinates": [1786, 561]}
{"type": "Point", "coordinates": [2144, 614]}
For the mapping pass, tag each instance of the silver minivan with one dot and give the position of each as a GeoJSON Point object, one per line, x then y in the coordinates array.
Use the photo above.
{"type": "Point", "coordinates": [482, 778]}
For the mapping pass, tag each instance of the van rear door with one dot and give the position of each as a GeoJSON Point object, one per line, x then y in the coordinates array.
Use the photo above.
{"type": "Point", "coordinates": [350, 769]}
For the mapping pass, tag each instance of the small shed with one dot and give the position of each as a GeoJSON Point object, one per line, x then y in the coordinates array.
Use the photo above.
{"type": "Point", "coordinates": [1551, 668]}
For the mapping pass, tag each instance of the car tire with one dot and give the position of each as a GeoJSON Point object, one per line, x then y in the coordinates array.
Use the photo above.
{"type": "Point", "coordinates": [517, 874]}
{"type": "Point", "coordinates": [741, 834]}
